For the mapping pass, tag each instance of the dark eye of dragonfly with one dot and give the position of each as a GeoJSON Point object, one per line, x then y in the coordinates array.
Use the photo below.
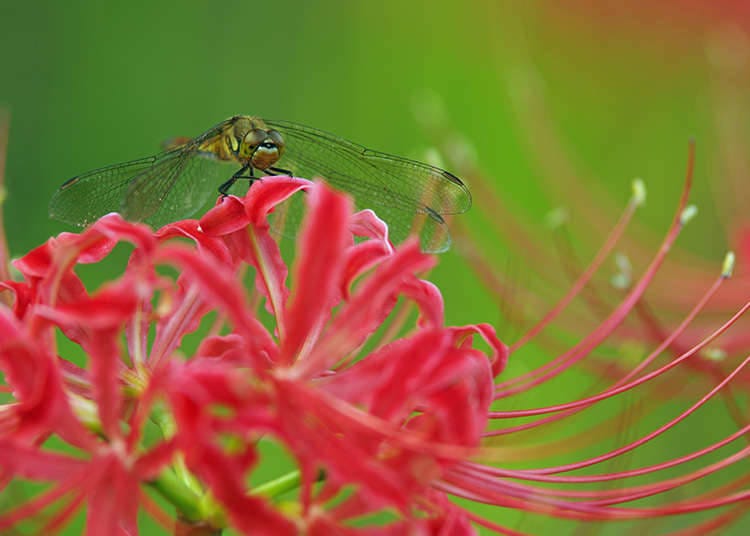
{"type": "Point", "coordinates": [268, 145]}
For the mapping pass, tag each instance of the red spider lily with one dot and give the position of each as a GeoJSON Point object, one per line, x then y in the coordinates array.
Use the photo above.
{"type": "Point", "coordinates": [372, 423]}
{"type": "Point", "coordinates": [376, 425]}
{"type": "Point", "coordinates": [682, 343]}
{"type": "Point", "coordinates": [406, 414]}
{"type": "Point", "coordinates": [608, 495]}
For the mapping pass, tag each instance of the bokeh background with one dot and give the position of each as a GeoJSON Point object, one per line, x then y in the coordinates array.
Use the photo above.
{"type": "Point", "coordinates": [558, 107]}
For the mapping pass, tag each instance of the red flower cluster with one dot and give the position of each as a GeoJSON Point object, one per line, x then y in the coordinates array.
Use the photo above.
{"type": "Point", "coordinates": [372, 423]}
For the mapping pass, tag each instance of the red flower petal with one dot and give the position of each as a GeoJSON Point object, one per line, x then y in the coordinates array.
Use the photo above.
{"type": "Point", "coordinates": [367, 309]}
{"type": "Point", "coordinates": [220, 288]}
{"type": "Point", "coordinates": [226, 217]}
{"type": "Point", "coordinates": [191, 229]}
{"type": "Point", "coordinates": [365, 223]}
{"type": "Point", "coordinates": [266, 194]}
{"type": "Point", "coordinates": [428, 298]}
{"type": "Point", "coordinates": [360, 258]}
{"type": "Point", "coordinates": [500, 352]}
{"type": "Point", "coordinates": [113, 500]}
{"type": "Point", "coordinates": [34, 376]}
{"type": "Point", "coordinates": [32, 463]}
{"type": "Point", "coordinates": [317, 269]}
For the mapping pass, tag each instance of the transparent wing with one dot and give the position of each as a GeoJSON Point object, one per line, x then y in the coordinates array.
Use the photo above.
{"type": "Point", "coordinates": [410, 196]}
{"type": "Point", "coordinates": [156, 189]}
{"type": "Point", "coordinates": [84, 198]}
{"type": "Point", "coordinates": [166, 193]}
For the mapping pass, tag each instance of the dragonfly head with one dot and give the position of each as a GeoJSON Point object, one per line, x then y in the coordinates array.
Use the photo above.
{"type": "Point", "coordinates": [261, 148]}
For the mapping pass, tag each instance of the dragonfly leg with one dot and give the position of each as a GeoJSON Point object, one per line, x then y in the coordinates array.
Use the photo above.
{"type": "Point", "coordinates": [224, 188]}
{"type": "Point", "coordinates": [278, 171]}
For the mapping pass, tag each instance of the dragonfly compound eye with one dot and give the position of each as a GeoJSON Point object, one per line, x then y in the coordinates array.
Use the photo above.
{"type": "Point", "coordinates": [250, 142]}
{"type": "Point", "coordinates": [275, 137]}
{"type": "Point", "coordinates": [265, 148]}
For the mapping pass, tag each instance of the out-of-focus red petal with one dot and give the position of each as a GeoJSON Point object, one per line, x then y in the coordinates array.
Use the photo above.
{"type": "Point", "coordinates": [113, 500]}
{"type": "Point", "coordinates": [457, 396]}
{"type": "Point", "coordinates": [151, 463]}
{"type": "Point", "coordinates": [50, 265]}
{"type": "Point", "coordinates": [93, 249]}
{"type": "Point", "coordinates": [37, 262]}
{"type": "Point", "coordinates": [110, 307]}
{"type": "Point", "coordinates": [96, 242]}
{"type": "Point", "coordinates": [104, 357]}
{"type": "Point", "coordinates": [428, 298]}
{"type": "Point", "coordinates": [23, 296]}
{"type": "Point", "coordinates": [318, 267]}
{"type": "Point", "coordinates": [32, 373]}
{"type": "Point", "coordinates": [30, 462]}
{"type": "Point", "coordinates": [365, 223]}
{"type": "Point", "coordinates": [322, 440]}
{"type": "Point", "coordinates": [743, 242]}
{"type": "Point", "coordinates": [250, 515]}
{"type": "Point", "coordinates": [230, 348]}
{"type": "Point", "coordinates": [101, 317]}
{"type": "Point", "coordinates": [116, 228]}
{"type": "Point", "coordinates": [388, 379]}
{"type": "Point", "coordinates": [500, 351]}
{"type": "Point", "coordinates": [220, 287]}
{"type": "Point", "coordinates": [194, 389]}
{"type": "Point", "coordinates": [450, 386]}
{"type": "Point", "coordinates": [360, 258]}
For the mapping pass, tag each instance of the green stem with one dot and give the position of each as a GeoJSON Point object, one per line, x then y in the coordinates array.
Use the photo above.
{"type": "Point", "coordinates": [274, 488]}
{"type": "Point", "coordinates": [185, 500]}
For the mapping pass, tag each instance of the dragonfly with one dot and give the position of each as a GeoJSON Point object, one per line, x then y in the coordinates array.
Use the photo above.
{"type": "Point", "coordinates": [410, 196]}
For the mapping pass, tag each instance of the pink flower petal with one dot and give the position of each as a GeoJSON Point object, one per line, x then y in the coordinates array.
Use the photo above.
{"type": "Point", "coordinates": [220, 287]}
{"type": "Point", "coordinates": [226, 217]}
{"type": "Point", "coordinates": [360, 258]}
{"type": "Point", "coordinates": [318, 268]}
{"type": "Point", "coordinates": [265, 194]}
{"type": "Point", "coordinates": [191, 229]}
{"type": "Point", "coordinates": [365, 223]}
{"type": "Point", "coordinates": [32, 463]}
{"type": "Point", "coordinates": [428, 298]}
{"type": "Point", "coordinates": [368, 308]}
{"type": "Point", "coordinates": [113, 500]}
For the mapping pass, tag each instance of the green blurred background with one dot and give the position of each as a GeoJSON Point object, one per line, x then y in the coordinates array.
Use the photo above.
{"type": "Point", "coordinates": [90, 84]}
{"type": "Point", "coordinates": [93, 84]}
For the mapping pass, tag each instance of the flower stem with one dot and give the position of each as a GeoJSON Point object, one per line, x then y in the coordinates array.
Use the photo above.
{"type": "Point", "coordinates": [184, 499]}
{"type": "Point", "coordinates": [183, 527]}
{"type": "Point", "coordinates": [274, 488]}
